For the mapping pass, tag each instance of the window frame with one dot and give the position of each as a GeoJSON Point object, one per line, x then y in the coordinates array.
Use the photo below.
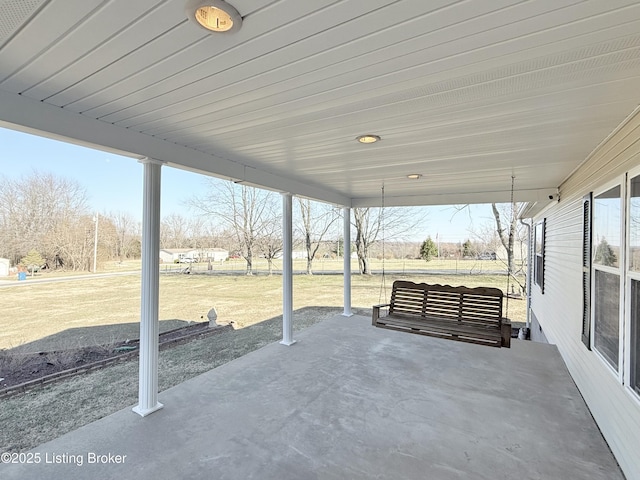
{"type": "Point", "coordinates": [629, 277]}
{"type": "Point", "coordinates": [626, 377]}
{"type": "Point", "coordinates": [538, 267]}
{"type": "Point", "coordinates": [620, 270]}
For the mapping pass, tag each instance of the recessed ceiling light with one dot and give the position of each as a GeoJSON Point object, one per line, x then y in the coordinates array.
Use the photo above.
{"type": "Point", "coordinates": [368, 138]}
{"type": "Point", "coordinates": [414, 176]}
{"type": "Point", "coordinates": [213, 15]}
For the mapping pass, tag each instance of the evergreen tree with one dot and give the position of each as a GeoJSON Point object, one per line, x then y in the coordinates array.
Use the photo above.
{"type": "Point", "coordinates": [32, 261]}
{"type": "Point", "coordinates": [428, 249]}
{"type": "Point", "coordinates": [604, 254]}
{"type": "Point", "coordinates": [467, 249]}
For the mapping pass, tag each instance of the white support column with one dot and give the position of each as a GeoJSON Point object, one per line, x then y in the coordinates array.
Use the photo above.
{"type": "Point", "coordinates": [346, 213]}
{"type": "Point", "coordinates": [287, 270]}
{"type": "Point", "coordinates": [149, 324]}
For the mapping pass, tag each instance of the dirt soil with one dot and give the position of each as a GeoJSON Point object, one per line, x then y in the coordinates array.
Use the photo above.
{"type": "Point", "coordinates": [20, 368]}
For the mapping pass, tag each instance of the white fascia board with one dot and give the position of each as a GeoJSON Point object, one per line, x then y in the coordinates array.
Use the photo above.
{"type": "Point", "coordinates": [39, 118]}
{"type": "Point", "coordinates": [459, 198]}
{"type": "Point", "coordinates": [535, 209]}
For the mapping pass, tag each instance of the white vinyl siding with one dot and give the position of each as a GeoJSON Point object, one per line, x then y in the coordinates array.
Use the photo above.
{"type": "Point", "coordinates": [614, 406]}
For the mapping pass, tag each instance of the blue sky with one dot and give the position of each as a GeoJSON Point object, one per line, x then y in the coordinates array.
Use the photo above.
{"type": "Point", "coordinates": [114, 183]}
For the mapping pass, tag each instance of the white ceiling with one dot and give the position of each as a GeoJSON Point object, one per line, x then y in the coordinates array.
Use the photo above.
{"type": "Point", "coordinates": [466, 93]}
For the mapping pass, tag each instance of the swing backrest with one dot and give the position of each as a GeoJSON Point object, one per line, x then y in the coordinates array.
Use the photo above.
{"type": "Point", "coordinates": [479, 305]}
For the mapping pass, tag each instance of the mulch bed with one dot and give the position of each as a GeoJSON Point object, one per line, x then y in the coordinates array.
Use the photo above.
{"type": "Point", "coordinates": [21, 371]}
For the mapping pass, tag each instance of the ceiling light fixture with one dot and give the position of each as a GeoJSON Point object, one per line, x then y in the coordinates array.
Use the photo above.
{"type": "Point", "coordinates": [213, 15]}
{"type": "Point", "coordinates": [368, 138]}
{"type": "Point", "coordinates": [414, 176]}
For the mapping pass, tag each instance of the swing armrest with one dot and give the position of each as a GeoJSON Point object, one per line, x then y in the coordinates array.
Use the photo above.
{"type": "Point", "coordinates": [376, 312]}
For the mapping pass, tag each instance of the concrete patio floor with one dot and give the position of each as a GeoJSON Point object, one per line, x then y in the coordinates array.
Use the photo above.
{"type": "Point", "coordinates": [350, 401]}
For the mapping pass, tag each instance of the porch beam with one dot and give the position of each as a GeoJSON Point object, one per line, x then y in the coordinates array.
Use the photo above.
{"type": "Point", "coordinates": [287, 269]}
{"type": "Point", "coordinates": [498, 196]}
{"type": "Point", "coordinates": [346, 213]}
{"type": "Point", "coordinates": [19, 112]}
{"type": "Point", "coordinates": [149, 297]}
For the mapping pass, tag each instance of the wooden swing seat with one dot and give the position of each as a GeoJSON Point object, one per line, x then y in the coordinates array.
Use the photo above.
{"type": "Point", "coordinates": [457, 313]}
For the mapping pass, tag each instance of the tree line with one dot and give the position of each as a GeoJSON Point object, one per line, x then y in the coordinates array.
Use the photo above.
{"type": "Point", "coordinates": [251, 220]}
{"type": "Point", "coordinates": [506, 231]}
{"type": "Point", "coordinates": [46, 222]}
{"type": "Point", "coordinates": [48, 215]}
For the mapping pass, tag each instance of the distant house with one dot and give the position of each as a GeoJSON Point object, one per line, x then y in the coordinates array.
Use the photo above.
{"type": "Point", "coordinates": [206, 254]}
{"type": "Point", "coordinates": [172, 255]}
{"type": "Point", "coordinates": [4, 267]}
{"type": "Point", "coordinates": [295, 255]}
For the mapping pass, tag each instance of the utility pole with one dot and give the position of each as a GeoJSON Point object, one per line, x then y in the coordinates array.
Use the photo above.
{"type": "Point", "coordinates": [95, 243]}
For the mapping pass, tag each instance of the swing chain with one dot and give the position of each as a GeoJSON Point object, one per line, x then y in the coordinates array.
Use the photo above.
{"type": "Point", "coordinates": [511, 221]}
{"type": "Point", "coordinates": [383, 286]}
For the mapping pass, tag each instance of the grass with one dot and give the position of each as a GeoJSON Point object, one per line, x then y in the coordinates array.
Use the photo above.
{"type": "Point", "coordinates": [260, 265]}
{"type": "Point", "coordinates": [47, 316]}
{"type": "Point", "coordinates": [321, 265]}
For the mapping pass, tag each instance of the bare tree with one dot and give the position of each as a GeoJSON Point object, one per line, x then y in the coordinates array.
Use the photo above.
{"type": "Point", "coordinates": [222, 237]}
{"type": "Point", "coordinates": [368, 225]}
{"type": "Point", "coordinates": [485, 237]}
{"type": "Point", "coordinates": [72, 240]}
{"type": "Point", "coordinates": [126, 234]}
{"type": "Point", "coordinates": [371, 223]}
{"type": "Point", "coordinates": [174, 231]}
{"type": "Point", "coordinates": [34, 211]}
{"type": "Point", "coordinates": [199, 237]}
{"type": "Point", "coordinates": [246, 210]}
{"type": "Point", "coordinates": [316, 220]}
{"type": "Point", "coordinates": [506, 230]}
{"type": "Point", "coordinates": [108, 237]}
{"type": "Point", "coordinates": [270, 242]}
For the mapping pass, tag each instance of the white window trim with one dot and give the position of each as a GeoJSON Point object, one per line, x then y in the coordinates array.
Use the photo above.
{"type": "Point", "coordinates": [629, 275]}
{"type": "Point", "coordinates": [620, 181]}
{"type": "Point", "coordinates": [626, 374]}
{"type": "Point", "coordinates": [542, 223]}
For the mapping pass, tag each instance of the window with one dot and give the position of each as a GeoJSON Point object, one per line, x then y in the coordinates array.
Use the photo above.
{"type": "Point", "coordinates": [606, 315]}
{"type": "Point", "coordinates": [538, 264]}
{"type": "Point", "coordinates": [611, 278]}
{"type": "Point", "coordinates": [634, 380]}
{"type": "Point", "coordinates": [606, 250]}
{"type": "Point", "coordinates": [633, 280]}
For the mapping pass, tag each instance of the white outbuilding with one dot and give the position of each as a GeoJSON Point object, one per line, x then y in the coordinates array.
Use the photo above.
{"type": "Point", "coordinates": [4, 267]}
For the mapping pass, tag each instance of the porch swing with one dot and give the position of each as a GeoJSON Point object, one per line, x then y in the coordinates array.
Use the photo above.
{"type": "Point", "coordinates": [464, 314]}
